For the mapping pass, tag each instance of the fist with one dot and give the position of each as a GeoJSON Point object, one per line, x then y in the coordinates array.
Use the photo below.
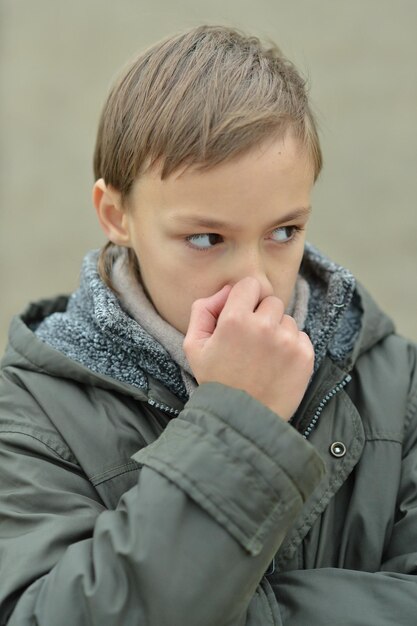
{"type": "Point", "coordinates": [235, 339]}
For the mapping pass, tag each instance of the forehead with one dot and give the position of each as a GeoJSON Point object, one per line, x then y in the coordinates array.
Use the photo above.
{"type": "Point", "coordinates": [274, 175]}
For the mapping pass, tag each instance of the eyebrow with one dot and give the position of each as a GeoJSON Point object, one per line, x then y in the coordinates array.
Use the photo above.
{"type": "Point", "coordinates": [209, 223]}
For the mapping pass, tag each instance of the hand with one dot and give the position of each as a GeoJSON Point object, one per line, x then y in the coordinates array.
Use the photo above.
{"type": "Point", "coordinates": [234, 339]}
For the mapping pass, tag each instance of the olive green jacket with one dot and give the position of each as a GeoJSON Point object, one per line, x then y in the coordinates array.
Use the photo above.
{"type": "Point", "coordinates": [120, 508]}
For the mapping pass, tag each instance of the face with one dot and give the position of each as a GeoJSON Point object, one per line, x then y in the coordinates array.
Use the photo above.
{"type": "Point", "coordinates": [197, 231]}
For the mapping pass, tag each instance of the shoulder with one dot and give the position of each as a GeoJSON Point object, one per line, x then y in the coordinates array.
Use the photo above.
{"type": "Point", "coordinates": [384, 387]}
{"type": "Point", "coordinates": [380, 347]}
{"type": "Point", "coordinates": [383, 365]}
{"type": "Point", "coordinates": [78, 415]}
{"type": "Point", "coordinates": [73, 428]}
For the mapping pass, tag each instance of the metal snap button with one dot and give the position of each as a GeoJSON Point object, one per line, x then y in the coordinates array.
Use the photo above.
{"type": "Point", "coordinates": [338, 449]}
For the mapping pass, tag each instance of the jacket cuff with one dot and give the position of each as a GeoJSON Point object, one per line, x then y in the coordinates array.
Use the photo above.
{"type": "Point", "coordinates": [238, 460]}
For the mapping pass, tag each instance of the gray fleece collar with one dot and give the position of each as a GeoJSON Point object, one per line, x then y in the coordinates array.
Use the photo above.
{"type": "Point", "coordinates": [334, 315]}
{"type": "Point", "coordinates": [96, 332]}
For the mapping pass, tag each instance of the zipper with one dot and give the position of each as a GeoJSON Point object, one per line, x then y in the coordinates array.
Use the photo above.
{"type": "Point", "coordinates": [308, 430]}
{"type": "Point", "coordinates": [163, 407]}
{"type": "Point", "coordinates": [323, 403]}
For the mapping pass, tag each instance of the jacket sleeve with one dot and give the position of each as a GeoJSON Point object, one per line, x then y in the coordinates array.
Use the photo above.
{"type": "Point", "coordinates": [188, 544]}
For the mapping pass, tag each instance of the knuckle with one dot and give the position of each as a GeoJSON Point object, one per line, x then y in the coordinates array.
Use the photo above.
{"type": "Point", "coordinates": [266, 323]}
{"type": "Point", "coordinates": [278, 302]}
{"type": "Point", "coordinates": [275, 305]}
{"type": "Point", "coordinates": [286, 339]}
{"type": "Point", "coordinates": [271, 300]}
{"type": "Point", "coordinates": [289, 322]}
{"type": "Point", "coordinates": [231, 319]}
{"type": "Point", "coordinates": [274, 299]}
{"type": "Point", "coordinates": [305, 340]}
{"type": "Point", "coordinates": [307, 348]}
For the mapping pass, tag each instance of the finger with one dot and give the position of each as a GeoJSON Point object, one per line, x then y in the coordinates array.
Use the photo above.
{"type": "Point", "coordinates": [289, 322]}
{"type": "Point", "coordinates": [244, 296]}
{"type": "Point", "coordinates": [272, 308]}
{"type": "Point", "coordinates": [204, 314]}
{"type": "Point", "coordinates": [305, 339]}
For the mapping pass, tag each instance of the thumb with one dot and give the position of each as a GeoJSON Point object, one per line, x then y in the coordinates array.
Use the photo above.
{"type": "Point", "coordinates": [204, 315]}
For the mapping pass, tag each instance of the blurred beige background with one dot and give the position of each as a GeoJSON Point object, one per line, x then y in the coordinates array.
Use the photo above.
{"type": "Point", "coordinates": [57, 60]}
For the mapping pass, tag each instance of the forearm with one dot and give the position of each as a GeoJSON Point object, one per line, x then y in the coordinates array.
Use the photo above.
{"type": "Point", "coordinates": [185, 545]}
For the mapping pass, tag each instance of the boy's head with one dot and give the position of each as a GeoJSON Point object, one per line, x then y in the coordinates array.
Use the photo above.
{"type": "Point", "coordinates": [200, 98]}
{"type": "Point", "coordinates": [198, 104]}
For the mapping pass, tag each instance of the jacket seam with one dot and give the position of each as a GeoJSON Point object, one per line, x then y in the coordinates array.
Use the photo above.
{"type": "Point", "coordinates": [390, 437]}
{"type": "Point", "coordinates": [47, 445]}
{"type": "Point", "coordinates": [411, 408]}
{"type": "Point", "coordinates": [104, 479]}
{"type": "Point", "coordinates": [268, 605]}
{"type": "Point", "coordinates": [273, 622]}
{"type": "Point", "coordinates": [65, 449]}
{"type": "Point", "coordinates": [38, 368]}
{"type": "Point", "coordinates": [271, 600]}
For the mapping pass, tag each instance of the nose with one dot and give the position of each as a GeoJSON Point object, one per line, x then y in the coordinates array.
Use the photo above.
{"type": "Point", "coordinates": [251, 263]}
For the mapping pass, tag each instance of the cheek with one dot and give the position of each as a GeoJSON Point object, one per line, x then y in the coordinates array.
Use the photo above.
{"type": "Point", "coordinates": [171, 285]}
{"type": "Point", "coordinates": [155, 261]}
{"type": "Point", "coordinates": [284, 276]}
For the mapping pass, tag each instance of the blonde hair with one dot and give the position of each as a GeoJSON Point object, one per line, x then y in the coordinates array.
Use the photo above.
{"type": "Point", "coordinates": [198, 98]}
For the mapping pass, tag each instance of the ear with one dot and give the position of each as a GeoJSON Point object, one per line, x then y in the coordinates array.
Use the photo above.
{"type": "Point", "coordinates": [111, 214]}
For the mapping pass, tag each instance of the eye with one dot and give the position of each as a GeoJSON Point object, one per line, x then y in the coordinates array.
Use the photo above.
{"type": "Point", "coordinates": [204, 241]}
{"type": "Point", "coordinates": [284, 234]}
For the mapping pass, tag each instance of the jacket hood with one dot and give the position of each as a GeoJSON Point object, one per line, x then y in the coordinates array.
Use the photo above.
{"type": "Point", "coordinates": [88, 337]}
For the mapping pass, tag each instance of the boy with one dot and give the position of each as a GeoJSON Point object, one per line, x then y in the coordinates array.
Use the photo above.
{"type": "Point", "coordinates": [208, 431]}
